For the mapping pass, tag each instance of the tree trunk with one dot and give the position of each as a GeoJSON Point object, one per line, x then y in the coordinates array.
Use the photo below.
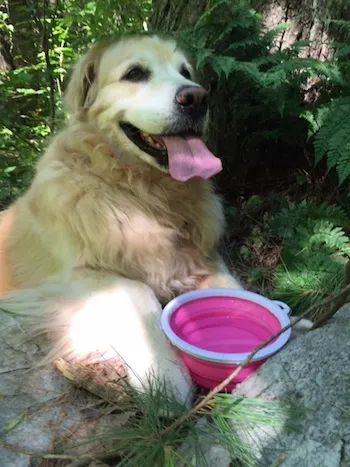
{"type": "Point", "coordinates": [24, 33]}
{"type": "Point", "coordinates": [6, 59]}
{"type": "Point", "coordinates": [307, 23]}
{"type": "Point", "coordinates": [174, 15]}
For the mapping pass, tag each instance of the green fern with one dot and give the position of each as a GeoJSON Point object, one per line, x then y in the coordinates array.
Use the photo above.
{"type": "Point", "coordinates": [288, 219]}
{"type": "Point", "coordinates": [308, 281]}
{"type": "Point", "coordinates": [332, 140]}
{"type": "Point", "coordinates": [315, 120]}
{"type": "Point", "coordinates": [324, 232]}
{"type": "Point", "coordinates": [342, 50]}
{"type": "Point", "coordinates": [315, 249]}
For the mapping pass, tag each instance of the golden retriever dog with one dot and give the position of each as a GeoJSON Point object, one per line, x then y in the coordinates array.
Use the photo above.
{"type": "Point", "coordinates": [120, 216]}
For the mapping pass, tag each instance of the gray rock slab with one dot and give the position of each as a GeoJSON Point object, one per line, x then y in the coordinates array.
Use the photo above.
{"type": "Point", "coordinates": [204, 452]}
{"type": "Point", "coordinates": [40, 409]}
{"type": "Point", "coordinates": [313, 370]}
{"type": "Point", "coordinates": [34, 405]}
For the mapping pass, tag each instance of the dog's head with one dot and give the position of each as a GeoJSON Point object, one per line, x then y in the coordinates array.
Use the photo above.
{"type": "Point", "coordinates": [141, 93]}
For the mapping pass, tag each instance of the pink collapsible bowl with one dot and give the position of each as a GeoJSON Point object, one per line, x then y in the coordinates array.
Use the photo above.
{"type": "Point", "coordinates": [214, 330]}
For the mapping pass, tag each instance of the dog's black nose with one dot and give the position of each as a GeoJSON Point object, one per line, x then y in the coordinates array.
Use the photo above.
{"type": "Point", "coordinates": [192, 99]}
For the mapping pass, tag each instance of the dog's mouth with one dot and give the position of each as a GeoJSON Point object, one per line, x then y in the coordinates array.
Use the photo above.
{"type": "Point", "coordinates": [146, 143]}
{"type": "Point", "coordinates": [184, 155]}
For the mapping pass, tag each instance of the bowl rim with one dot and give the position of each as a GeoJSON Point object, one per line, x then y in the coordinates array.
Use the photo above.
{"type": "Point", "coordinates": [220, 357]}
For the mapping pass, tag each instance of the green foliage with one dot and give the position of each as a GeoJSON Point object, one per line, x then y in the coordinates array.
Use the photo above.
{"type": "Point", "coordinates": [332, 140]}
{"type": "Point", "coordinates": [31, 92]}
{"type": "Point", "coordinates": [314, 251]}
{"type": "Point", "coordinates": [294, 251]}
{"type": "Point", "coordinates": [328, 119]}
{"type": "Point", "coordinates": [292, 217]}
{"type": "Point", "coordinates": [266, 88]}
{"type": "Point", "coordinates": [148, 439]}
{"type": "Point", "coordinates": [230, 41]}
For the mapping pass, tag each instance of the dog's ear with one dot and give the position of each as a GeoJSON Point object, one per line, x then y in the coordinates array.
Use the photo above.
{"type": "Point", "coordinates": [82, 86]}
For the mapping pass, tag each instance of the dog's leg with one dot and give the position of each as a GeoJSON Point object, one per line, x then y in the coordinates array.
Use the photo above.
{"type": "Point", "coordinates": [221, 277]}
{"type": "Point", "coordinates": [107, 316]}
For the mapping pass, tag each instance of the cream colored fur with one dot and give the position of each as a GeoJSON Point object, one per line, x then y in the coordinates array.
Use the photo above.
{"type": "Point", "coordinates": [103, 234]}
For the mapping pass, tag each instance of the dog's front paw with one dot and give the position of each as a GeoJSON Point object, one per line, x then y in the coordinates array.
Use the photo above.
{"type": "Point", "coordinates": [221, 281]}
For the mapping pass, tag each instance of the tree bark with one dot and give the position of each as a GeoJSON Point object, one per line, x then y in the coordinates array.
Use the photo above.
{"type": "Point", "coordinates": [174, 15]}
{"type": "Point", "coordinates": [24, 34]}
{"type": "Point", "coordinates": [6, 59]}
{"type": "Point", "coordinates": [307, 23]}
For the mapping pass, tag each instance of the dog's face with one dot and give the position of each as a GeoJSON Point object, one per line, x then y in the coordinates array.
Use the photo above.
{"type": "Point", "coordinates": [141, 92]}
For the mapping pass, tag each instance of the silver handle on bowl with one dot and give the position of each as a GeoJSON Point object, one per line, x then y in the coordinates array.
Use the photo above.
{"type": "Point", "coordinates": [284, 307]}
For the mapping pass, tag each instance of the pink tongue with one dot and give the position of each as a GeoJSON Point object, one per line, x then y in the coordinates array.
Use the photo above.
{"type": "Point", "coordinates": [189, 157]}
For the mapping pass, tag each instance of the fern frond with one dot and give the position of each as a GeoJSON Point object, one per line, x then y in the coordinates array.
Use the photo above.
{"type": "Point", "coordinates": [271, 34]}
{"type": "Point", "coordinates": [246, 42]}
{"type": "Point", "coordinates": [308, 280]}
{"type": "Point", "coordinates": [343, 165]}
{"type": "Point", "coordinates": [324, 232]}
{"type": "Point", "coordinates": [341, 50]}
{"type": "Point", "coordinates": [229, 65]}
{"type": "Point", "coordinates": [340, 22]}
{"type": "Point", "coordinates": [315, 119]}
{"type": "Point", "coordinates": [315, 249]}
{"type": "Point", "coordinates": [333, 138]}
{"type": "Point", "coordinates": [285, 222]}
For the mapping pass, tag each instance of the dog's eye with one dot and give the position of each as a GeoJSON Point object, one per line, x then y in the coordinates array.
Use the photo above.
{"type": "Point", "coordinates": [185, 72]}
{"type": "Point", "coordinates": [136, 74]}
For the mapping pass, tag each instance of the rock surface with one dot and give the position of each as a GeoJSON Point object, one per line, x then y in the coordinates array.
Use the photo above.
{"type": "Point", "coordinates": [33, 409]}
{"type": "Point", "coordinates": [315, 370]}
{"type": "Point", "coordinates": [39, 408]}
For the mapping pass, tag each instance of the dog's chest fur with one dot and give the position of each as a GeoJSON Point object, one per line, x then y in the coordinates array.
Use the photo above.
{"type": "Point", "coordinates": [164, 234]}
